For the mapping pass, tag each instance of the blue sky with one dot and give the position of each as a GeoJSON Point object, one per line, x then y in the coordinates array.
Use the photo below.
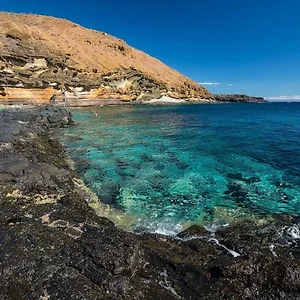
{"type": "Point", "coordinates": [250, 47]}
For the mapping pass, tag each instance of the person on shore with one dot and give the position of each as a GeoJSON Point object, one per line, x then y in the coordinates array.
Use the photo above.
{"type": "Point", "coordinates": [52, 98]}
{"type": "Point", "coordinates": [63, 91]}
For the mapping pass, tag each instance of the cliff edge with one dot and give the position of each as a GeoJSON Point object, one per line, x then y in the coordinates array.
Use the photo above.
{"type": "Point", "coordinates": [39, 55]}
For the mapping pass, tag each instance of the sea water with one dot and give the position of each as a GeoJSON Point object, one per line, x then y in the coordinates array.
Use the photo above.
{"type": "Point", "coordinates": [167, 167]}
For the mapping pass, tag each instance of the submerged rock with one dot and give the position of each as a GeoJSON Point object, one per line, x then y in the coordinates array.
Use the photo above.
{"type": "Point", "coordinates": [53, 245]}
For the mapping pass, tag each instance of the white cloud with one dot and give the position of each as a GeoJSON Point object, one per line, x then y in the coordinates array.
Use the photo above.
{"type": "Point", "coordinates": [209, 83]}
{"type": "Point", "coordinates": [284, 98]}
{"type": "Point", "coordinates": [214, 83]}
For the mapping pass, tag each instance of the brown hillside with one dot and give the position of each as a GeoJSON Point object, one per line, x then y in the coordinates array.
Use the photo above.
{"type": "Point", "coordinates": [42, 52]}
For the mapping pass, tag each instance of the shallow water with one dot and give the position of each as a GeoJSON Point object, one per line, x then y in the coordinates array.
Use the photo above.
{"type": "Point", "coordinates": [167, 166]}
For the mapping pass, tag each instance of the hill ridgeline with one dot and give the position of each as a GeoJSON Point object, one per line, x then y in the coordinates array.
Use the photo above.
{"type": "Point", "coordinates": [39, 55]}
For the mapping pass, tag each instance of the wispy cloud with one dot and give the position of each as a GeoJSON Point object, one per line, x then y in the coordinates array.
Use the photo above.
{"type": "Point", "coordinates": [284, 98]}
{"type": "Point", "coordinates": [214, 83]}
{"type": "Point", "coordinates": [209, 83]}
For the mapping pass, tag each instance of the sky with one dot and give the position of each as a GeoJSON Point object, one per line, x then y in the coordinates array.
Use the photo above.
{"type": "Point", "coordinates": [230, 46]}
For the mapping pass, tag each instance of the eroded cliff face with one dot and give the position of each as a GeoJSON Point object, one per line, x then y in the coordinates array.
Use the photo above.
{"type": "Point", "coordinates": [39, 55]}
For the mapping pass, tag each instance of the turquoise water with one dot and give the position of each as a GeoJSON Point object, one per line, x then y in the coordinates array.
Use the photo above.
{"type": "Point", "coordinates": [167, 166]}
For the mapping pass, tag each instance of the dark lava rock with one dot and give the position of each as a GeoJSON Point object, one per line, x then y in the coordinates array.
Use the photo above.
{"type": "Point", "coordinates": [193, 231]}
{"type": "Point", "coordinates": [238, 98]}
{"type": "Point", "coordinates": [54, 246]}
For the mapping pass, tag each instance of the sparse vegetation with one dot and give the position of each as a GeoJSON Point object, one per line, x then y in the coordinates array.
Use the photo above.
{"type": "Point", "coordinates": [121, 48]}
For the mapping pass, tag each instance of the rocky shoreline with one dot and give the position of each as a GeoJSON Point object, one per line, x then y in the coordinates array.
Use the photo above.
{"type": "Point", "coordinates": [238, 98]}
{"type": "Point", "coordinates": [164, 100]}
{"type": "Point", "coordinates": [53, 245]}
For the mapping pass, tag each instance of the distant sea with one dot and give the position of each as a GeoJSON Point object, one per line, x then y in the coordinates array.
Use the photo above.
{"type": "Point", "coordinates": [168, 167]}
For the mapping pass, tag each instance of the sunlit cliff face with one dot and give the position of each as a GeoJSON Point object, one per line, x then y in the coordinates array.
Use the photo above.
{"type": "Point", "coordinates": [44, 52]}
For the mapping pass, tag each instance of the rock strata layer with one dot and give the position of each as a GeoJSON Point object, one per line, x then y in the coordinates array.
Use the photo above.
{"type": "Point", "coordinates": [39, 55]}
{"type": "Point", "coordinates": [53, 245]}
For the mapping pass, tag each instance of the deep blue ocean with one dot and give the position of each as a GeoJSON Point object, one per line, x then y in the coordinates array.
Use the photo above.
{"type": "Point", "coordinates": [168, 167]}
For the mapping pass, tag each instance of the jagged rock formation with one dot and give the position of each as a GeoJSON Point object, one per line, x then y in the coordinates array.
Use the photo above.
{"type": "Point", "coordinates": [238, 98]}
{"type": "Point", "coordinates": [39, 55]}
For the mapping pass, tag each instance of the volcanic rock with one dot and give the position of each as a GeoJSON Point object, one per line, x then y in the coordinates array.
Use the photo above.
{"type": "Point", "coordinates": [54, 245]}
{"type": "Point", "coordinates": [238, 98]}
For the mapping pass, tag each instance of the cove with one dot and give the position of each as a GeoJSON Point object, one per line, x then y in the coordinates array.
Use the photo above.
{"type": "Point", "coordinates": [168, 167]}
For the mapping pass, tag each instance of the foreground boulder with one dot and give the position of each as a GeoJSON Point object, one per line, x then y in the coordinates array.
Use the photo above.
{"type": "Point", "coordinates": [53, 245]}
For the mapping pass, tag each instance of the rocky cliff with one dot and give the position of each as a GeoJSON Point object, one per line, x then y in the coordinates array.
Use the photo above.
{"type": "Point", "coordinates": [39, 55]}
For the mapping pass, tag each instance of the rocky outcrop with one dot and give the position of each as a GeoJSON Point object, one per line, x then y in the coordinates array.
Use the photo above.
{"type": "Point", "coordinates": [238, 98]}
{"type": "Point", "coordinates": [39, 55]}
{"type": "Point", "coordinates": [53, 245]}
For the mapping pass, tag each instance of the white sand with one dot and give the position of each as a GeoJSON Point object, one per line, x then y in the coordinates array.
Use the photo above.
{"type": "Point", "coordinates": [166, 99]}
